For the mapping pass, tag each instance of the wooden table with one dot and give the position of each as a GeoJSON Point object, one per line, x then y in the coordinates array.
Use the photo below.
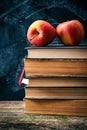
{"type": "Point", "coordinates": [12, 117]}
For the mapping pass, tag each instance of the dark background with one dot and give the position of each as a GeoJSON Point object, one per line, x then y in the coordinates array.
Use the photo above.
{"type": "Point", "coordinates": [15, 18]}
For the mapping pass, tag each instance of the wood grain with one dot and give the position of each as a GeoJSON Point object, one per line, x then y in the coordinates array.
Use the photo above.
{"type": "Point", "coordinates": [12, 117]}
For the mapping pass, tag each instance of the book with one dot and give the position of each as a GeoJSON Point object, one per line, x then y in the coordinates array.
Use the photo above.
{"type": "Point", "coordinates": [57, 81]}
{"type": "Point", "coordinates": [55, 67]}
{"type": "Point", "coordinates": [56, 107]}
{"type": "Point", "coordinates": [75, 52]}
{"type": "Point", "coordinates": [56, 93]}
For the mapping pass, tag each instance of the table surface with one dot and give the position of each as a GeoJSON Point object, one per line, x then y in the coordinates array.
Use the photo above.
{"type": "Point", "coordinates": [12, 117]}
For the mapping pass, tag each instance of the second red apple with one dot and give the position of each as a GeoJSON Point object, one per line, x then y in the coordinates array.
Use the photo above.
{"type": "Point", "coordinates": [70, 32]}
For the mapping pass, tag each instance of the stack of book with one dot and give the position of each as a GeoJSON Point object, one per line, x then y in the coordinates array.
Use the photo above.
{"type": "Point", "coordinates": [57, 80]}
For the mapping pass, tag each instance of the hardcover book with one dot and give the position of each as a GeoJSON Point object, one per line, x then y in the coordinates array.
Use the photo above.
{"type": "Point", "coordinates": [77, 52]}
{"type": "Point", "coordinates": [56, 107]}
{"type": "Point", "coordinates": [55, 67]}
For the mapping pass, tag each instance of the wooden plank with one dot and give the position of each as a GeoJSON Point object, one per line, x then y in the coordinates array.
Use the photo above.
{"type": "Point", "coordinates": [12, 117]}
{"type": "Point", "coordinates": [11, 106]}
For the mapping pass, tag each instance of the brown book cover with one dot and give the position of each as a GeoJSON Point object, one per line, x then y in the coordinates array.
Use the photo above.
{"type": "Point", "coordinates": [56, 107]}
{"type": "Point", "coordinates": [56, 93]}
{"type": "Point", "coordinates": [55, 67]}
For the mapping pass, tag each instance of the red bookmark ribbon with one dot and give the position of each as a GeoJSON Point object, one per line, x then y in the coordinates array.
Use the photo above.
{"type": "Point", "coordinates": [21, 77]}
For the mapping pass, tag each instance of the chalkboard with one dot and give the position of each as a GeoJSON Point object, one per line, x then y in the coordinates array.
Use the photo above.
{"type": "Point", "coordinates": [15, 18]}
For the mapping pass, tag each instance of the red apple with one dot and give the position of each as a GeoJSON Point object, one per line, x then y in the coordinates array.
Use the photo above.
{"type": "Point", "coordinates": [40, 33]}
{"type": "Point", "coordinates": [70, 32]}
